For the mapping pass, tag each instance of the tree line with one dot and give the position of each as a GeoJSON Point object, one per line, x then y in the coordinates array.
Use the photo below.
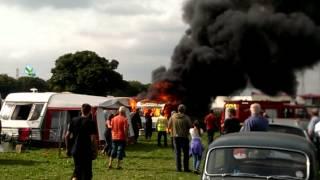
{"type": "Point", "coordinates": [82, 72]}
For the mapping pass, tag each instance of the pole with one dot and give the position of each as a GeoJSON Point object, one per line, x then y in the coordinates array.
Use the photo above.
{"type": "Point", "coordinates": [60, 135]}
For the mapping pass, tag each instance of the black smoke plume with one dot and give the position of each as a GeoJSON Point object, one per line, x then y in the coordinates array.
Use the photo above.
{"type": "Point", "coordinates": [231, 43]}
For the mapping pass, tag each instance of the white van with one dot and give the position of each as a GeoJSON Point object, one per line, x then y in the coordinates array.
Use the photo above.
{"type": "Point", "coordinates": [156, 109]}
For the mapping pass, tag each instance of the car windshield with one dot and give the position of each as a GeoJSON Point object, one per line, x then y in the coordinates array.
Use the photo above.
{"type": "Point", "coordinates": [257, 162]}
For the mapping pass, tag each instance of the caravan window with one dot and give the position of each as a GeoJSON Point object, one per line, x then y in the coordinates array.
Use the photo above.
{"type": "Point", "coordinates": [21, 112]}
{"type": "Point", "coordinates": [36, 111]}
{"type": "Point", "coordinates": [7, 111]}
{"type": "Point", "coordinates": [28, 111]}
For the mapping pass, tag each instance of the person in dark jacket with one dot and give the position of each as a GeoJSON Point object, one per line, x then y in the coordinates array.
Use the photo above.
{"type": "Point", "coordinates": [148, 125]}
{"type": "Point", "coordinates": [231, 124]}
{"type": "Point", "coordinates": [84, 148]}
{"type": "Point", "coordinates": [108, 136]}
{"type": "Point", "coordinates": [136, 124]}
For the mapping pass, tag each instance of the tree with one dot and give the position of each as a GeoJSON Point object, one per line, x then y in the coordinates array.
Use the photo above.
{"type": "Point", "coordinates": [85, 72]}
{"type": "Point", "coordinates": [131, 88]}
{"type": "Point", "coordinates": [138, 86]}
{"type": "Point", "coordinates": [24, 84]}
{"type": "Point", "coordinates": [7, 85]}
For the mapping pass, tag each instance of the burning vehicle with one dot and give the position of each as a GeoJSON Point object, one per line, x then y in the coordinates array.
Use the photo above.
{"type": "Point", "coordinates": [155, 109]}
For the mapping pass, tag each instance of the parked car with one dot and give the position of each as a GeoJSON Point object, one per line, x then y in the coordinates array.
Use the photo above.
{"type": "Point", "coordinates": [260, 155]}
{"type": "Point", "coordinates": [289, 129]}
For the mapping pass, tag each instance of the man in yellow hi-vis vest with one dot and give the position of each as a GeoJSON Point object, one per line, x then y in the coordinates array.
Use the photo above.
{"type": "Point", "coordinates": [162, 127]}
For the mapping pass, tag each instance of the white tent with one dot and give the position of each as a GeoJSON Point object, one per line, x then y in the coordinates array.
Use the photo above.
{"type": "Point", "coordinates": [111, 106]}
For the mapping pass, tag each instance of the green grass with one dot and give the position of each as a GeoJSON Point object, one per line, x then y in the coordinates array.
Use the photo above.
{"type": "Point", "coordinates": [143, 161]}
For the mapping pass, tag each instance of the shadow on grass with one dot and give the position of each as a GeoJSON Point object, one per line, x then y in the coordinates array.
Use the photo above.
{"type": "Point", "coordinates": [19, 162]}
{"type": "Point", "coordinates": [151, 169]}
{"type": "Point", "coordinates": [145, 147]}
{"type": "Point", "coordinates": [153, 157]}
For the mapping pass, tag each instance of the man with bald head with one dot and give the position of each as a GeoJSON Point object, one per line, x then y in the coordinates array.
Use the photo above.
{"type": "Point", "coordinates": [256, 122]}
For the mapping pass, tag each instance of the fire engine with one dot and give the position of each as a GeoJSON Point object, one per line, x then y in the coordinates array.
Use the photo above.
{"type": "Point", "coordinates": [280, 109]}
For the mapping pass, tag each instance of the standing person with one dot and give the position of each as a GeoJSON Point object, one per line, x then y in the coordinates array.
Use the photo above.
{"type": "Point", "coordinates": [231, 124]}
{"type": "Point", "coordinates": [0, 122]}
{"type": "Point", "coordinates": [196, 147]}
{"type": "Point", "coordinates": [162, 126]}
{"type": "Point", "coordinates": [211, 125]}
{"type": "Point", "coordinates": [119, 129]}
{"type": "Point", "coordinates": [180, 124]}
{"type": "Point", "coordinates": [148, 125]}
{"type": "Point", "coordinates": [84, 148]}
{"type": "Point", "coordinates": [108, 136]}
{"type": "Point", "coordinates": [256, 122]}
{"type": "Point", "coordinates": [136, 124]}
{"type": "Point", "coordinates": [311, 127]}
{"type": "Point", "coordinates": [170, 131]}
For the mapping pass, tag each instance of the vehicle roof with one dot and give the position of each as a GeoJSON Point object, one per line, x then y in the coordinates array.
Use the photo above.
{"type": "Point", "coordinates": [290, 129]}
{"type": "Point", "coordinates": [68, 100]}
{"type": "Point", "coordinates": [29, 97]}
{"type": "Point", "coordinates": [76, 100]}
{"type": "Point", "coordinates": [286, 125]}
{"type": "Point", "coordinates": [261, 98]}
{"type": "Point", "coordinates": [150, 104]}
{"type": "Point", "coordinates": [265, 139]}
{"type": "Point", "coordinates": [116, 102]}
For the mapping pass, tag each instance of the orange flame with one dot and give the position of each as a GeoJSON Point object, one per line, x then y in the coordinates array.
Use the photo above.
{"type": "Point", "coordinates": [133, 104]}
{"type": "Point", "coordinates": [160, 93]}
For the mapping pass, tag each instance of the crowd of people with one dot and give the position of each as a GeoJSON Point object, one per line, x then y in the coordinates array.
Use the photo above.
{"type": "Point", "coordinates": [186, 135]}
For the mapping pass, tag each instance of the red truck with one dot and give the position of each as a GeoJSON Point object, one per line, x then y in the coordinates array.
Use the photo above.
{"type": "Point", "coordinates": [282, 111]}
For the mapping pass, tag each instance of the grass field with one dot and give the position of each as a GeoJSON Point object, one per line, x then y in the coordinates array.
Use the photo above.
{"type": "Point", "coordinates": [144, 161]}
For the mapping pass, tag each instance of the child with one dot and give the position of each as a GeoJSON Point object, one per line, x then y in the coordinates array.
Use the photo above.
{"type": "Point", "coordinates": [196, 147]}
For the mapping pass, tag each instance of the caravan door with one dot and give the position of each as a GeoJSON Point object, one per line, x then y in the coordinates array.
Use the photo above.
{"type": "Point", "coordinates": [58, 126]}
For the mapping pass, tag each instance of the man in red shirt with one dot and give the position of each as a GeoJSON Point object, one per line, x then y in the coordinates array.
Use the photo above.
{"type": "Point", "coordinates": [119, 130]}
{"type": "Point", "coordinates": [211, 125]}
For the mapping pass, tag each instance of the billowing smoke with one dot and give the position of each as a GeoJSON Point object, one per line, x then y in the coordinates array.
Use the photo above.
{"type": "Point", "coordinates": [231, 43]}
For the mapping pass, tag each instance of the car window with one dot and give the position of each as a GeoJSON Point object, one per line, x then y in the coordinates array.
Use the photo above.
{"type": "Point", "coordinates": [287, 129]}
{"type": "Point", "coordinates": [262, 162]}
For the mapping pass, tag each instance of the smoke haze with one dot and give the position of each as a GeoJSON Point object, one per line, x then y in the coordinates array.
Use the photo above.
{"type": "Point", "coordinates": [231, 43]}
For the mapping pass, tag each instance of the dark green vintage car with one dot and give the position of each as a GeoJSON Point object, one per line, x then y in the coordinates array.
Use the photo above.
{"type": "Point", "coordinates": [260, 155]}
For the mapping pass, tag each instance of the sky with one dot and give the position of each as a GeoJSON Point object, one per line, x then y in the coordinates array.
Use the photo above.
{"type": "Point", "coordinates": [140, 34]}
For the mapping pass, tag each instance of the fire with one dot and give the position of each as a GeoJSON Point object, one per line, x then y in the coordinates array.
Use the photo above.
{"type": "Point", "coordinates": [161, 92]}
{"type": "Point", "coordinates": [133, 104]}
{"type": "Point", "coordinates": [164, 92]}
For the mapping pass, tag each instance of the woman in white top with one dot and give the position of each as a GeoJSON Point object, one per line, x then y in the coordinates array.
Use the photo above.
{"type": "Point", "coordinates": [196, 147]}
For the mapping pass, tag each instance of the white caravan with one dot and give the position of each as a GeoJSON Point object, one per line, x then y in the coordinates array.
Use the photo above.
{"type": "Point", "coordinates": [47, 114]}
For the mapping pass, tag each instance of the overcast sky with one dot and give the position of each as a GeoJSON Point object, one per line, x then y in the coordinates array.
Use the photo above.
{"type": "Point", "coordinates": [140, 34]}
